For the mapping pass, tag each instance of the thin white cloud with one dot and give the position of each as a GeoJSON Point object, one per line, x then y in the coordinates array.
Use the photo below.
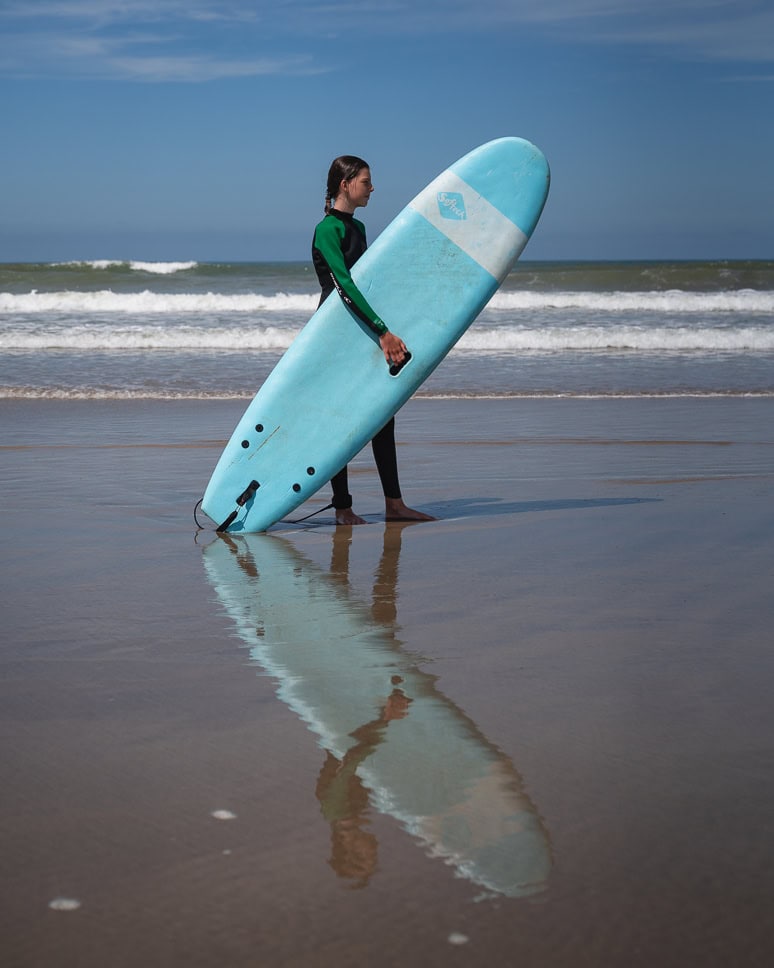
{"type": "Point", "coordinates": [142, 40]}
{"type": "Point", "coordinates": [720, 30]}
{"type": "Point", "coordinates": [119, 11]}
{"type": "Point", "coordinates": [114, 59]}
{"type": "Point", "coordinates": [200, 69]}
{"type": "Point", "coordinates": [201, 40]}
{"type": "Point", "coordinates": [742, 32]}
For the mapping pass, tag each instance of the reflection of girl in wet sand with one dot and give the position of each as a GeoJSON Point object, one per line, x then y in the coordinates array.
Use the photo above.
{"type": "Point", "coordinates": [393, 742]}
{"type": "Point", "coordinates": [344, 799]}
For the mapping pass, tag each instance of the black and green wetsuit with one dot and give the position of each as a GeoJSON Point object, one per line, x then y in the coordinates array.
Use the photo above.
{"type": "Point", "coordinates": [339, 241]}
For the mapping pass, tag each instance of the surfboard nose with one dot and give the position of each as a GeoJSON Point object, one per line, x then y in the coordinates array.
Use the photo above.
{"type": "Point", "coordinates": [512, 174]}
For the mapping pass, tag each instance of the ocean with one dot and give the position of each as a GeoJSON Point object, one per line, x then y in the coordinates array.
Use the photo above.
{"type": "Point", "coordinates": [107, 329]}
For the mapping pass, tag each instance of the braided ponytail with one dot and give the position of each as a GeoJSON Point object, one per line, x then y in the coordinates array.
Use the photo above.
{"type": "Point", "coordinates": [344, 168]}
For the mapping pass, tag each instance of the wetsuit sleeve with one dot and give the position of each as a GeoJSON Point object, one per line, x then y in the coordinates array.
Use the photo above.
{"type": "Point", "coordinates": [327, 241]}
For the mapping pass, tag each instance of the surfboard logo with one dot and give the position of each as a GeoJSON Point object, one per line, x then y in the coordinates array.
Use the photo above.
{"type": "Point", "coordinates": [452, 206]}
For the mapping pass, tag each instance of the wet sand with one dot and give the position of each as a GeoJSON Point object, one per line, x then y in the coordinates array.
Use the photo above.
{"type": "Point", "coordinates": [590, 620]}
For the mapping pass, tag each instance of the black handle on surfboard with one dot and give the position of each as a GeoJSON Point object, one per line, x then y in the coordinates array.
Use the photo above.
{"type": "Point", "coordinates": [395, 368]}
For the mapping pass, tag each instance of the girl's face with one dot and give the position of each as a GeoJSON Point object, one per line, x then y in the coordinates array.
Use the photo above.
{"type": "Point", "coordinates": [358, 190]}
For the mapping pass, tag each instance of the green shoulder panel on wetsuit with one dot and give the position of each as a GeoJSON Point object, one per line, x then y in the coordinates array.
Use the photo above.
{"type": "Point", "coordinates": [328, 239]}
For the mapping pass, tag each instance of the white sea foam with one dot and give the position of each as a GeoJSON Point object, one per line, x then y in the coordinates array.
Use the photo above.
{"type": "Point", "coordinates": [91, 263]}
{"type": "Point", "coordinates": [158, 268]}
{"type": "Point", "coordinates": [672, 301]}
{"type": "Point", "coordinates": [162, 268]}
{"type": "Point", "coordinates": [113, 393]}
{"type": "Point", "coordinates": [168, 336]}
{"type": "Point", "coordinates": [644, 338]}
{"type": "Point", "coordinates": [106, 301]}
{"type": "Point", "coordinates": [99, 393]}
{"type": "Point", "coordinates": [113, 336]}
{"type": "Point", "coordinates": [223, 815]}
{"type": "Point", "coordinates": [64, 904]}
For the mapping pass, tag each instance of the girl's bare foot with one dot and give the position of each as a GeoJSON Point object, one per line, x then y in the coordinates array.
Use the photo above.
{"type": "Point", "coordinates": [348, 516]}
{"type": "Point", "coordinates": [396, 510]}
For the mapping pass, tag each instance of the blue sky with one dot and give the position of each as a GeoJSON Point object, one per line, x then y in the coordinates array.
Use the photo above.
{"type": "Point", "coordinates": [196, 129]}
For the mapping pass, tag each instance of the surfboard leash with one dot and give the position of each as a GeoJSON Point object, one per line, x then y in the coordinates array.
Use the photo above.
{"type": "Point", "coordinates": [196, 508]}
{"type": "Point", "coordinates": [306, 518]}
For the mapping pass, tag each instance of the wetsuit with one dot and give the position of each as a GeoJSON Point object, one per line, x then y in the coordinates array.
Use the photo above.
{"type": "Point", "coordinates": [339, 241]}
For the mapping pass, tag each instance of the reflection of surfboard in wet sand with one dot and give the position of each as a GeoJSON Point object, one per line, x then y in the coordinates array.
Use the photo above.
{"type": "Point", "coordinates": [428, 275]}
{"type": "Point", "coordinates": [380, 718]}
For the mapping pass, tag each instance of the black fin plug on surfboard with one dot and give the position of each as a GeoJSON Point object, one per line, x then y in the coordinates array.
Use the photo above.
{"type": "Point", "coordinates": [243, 498]}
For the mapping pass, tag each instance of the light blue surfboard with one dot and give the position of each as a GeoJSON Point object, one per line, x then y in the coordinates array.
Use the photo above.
{"type": "Point", "coordinates": [380, 718]}
{"type": "Point", "coordinates": [428, 276]}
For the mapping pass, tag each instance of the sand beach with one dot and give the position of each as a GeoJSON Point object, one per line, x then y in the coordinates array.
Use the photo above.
{"type": "Point", "coordinates": [590, 619]}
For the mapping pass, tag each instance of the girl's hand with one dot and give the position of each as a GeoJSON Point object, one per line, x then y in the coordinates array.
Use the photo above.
{"type": "Point", "coordinates": [393, 347]}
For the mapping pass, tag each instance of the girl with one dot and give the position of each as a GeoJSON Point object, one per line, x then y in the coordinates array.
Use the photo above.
{"type": "Point", "coordinates": [339, 241]}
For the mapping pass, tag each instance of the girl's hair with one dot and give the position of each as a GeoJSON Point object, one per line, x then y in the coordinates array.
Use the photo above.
{"type": "Point", "coordinates": [342, 169]}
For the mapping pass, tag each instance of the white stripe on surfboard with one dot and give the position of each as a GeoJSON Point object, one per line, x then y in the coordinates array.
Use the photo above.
{"type": "Point", "coordinates": [471, 222]}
